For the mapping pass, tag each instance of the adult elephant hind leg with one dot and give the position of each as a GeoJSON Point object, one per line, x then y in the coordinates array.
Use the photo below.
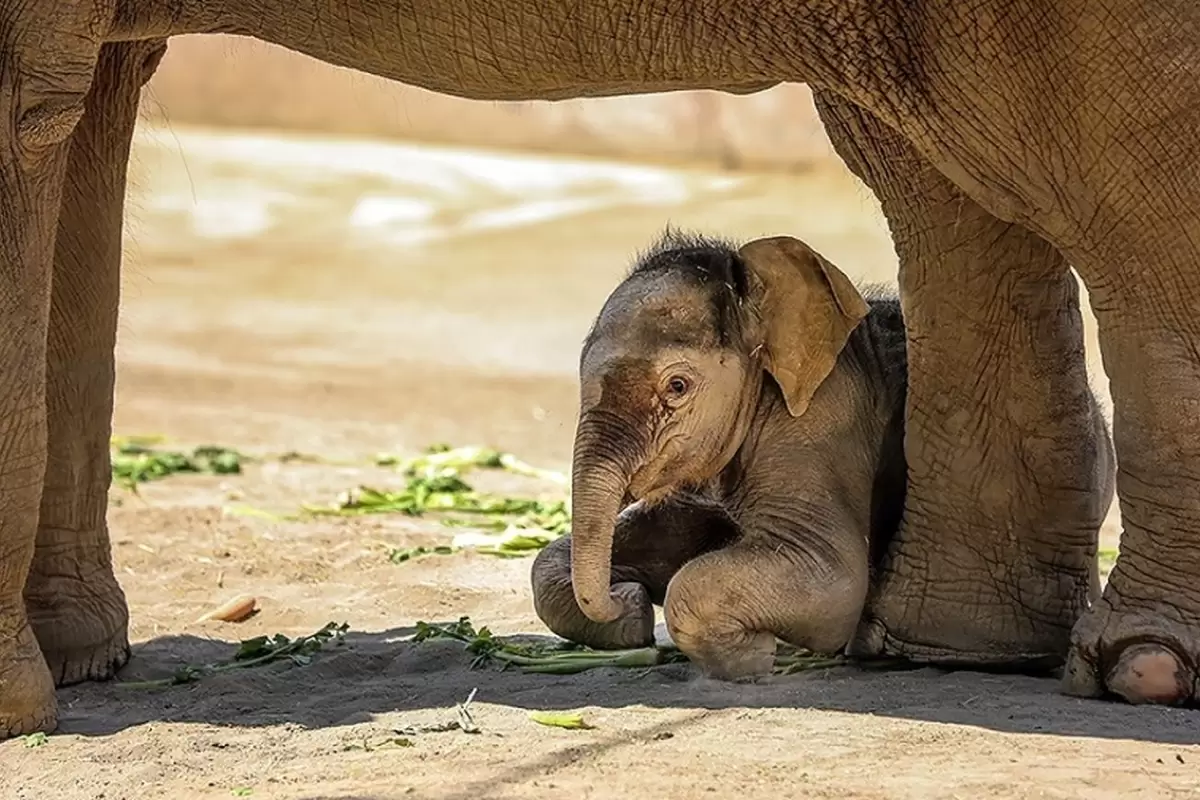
{"type": "Point", "coordinates": [1141, 641]}
{"type": "Point", "coordinates": [77, 609]}
{"type": "Point", "coordinates": [1009, 461]}
{"type": "Point", "coordinates": [650, 545]}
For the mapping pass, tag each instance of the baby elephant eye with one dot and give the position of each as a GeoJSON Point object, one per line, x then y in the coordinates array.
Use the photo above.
{"type": "Point", "coordinates": [678, 386]}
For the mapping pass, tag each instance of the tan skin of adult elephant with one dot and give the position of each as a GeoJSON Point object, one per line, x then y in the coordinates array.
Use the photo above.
{"type": "Point", "coordinates": [751, 402]}
{"type": "Point", "coordinates": [1005, 140]}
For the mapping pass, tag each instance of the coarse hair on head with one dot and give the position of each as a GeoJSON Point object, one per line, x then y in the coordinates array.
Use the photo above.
{"type": "Point", "coordinates": [710, 262]}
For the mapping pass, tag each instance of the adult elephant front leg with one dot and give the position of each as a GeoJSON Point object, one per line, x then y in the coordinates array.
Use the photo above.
{"type": "Point", "coordinates": [77, 609]}
{"type": "Point", "coordinates": [43, 82]}
{"type": "Point", "coordinates": [1009, 461]}
{"type": "Point", "coordinates": [1141, 641]}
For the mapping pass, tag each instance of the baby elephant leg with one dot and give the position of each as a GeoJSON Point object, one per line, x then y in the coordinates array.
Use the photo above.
{"type": "Point", "coordinates": [726, 608]}
{"type": "Point", "coordinates": [649, 547]}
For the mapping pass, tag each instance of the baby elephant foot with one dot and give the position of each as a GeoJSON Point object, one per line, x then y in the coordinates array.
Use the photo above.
{"type": "Point", "coordinates": [707, 620]}
{"type": "Point", "coordinates": [722, 649]}
{"type": "Point", "coordinates": [1143, 656]}
{"type": "Point", "coordinates": [726, 609]}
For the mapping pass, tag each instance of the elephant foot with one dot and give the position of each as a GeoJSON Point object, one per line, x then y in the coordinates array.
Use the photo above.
{"type": "Point", "coordinates": [703, 624]}
{"type": "Point", "coordinates": [1139, 655]}
{"type": "Point", "coordinates": [966, 607]}
{"type": "Point", "coordinates": [732, 654]}
{"type": "Point", "coordinates": [82, 627]}
{"type": "Point", "coordinates": [27, 701]}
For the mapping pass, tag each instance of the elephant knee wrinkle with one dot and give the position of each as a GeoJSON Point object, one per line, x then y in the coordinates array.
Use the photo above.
{"type": "Point", "coordinates": [48, 123]}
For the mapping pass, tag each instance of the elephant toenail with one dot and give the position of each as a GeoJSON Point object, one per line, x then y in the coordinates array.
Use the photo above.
{"type": "Point", "coordinates": [1150, 673]}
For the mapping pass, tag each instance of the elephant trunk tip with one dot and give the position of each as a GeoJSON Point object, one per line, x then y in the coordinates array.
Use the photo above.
{"type": "Point", "coordinates": [602, 609]}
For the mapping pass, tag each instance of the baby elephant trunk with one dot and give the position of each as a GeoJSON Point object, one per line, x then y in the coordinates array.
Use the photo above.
{"type": "Point", "coordinates": [599, 480]}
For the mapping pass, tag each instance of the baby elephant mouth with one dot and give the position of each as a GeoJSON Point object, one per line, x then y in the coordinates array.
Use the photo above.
{"type": "Point", "coordinates": [647, 487]}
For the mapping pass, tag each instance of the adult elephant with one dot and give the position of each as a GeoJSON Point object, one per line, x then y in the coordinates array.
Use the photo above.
{"type": "Point", "coordinates": [1005, 139]}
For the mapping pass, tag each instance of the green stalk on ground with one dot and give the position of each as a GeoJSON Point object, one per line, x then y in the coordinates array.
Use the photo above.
{"type": "Point", "coordinates": [557, 659]}
{"type": "Point", "coordinates": [509, 527]}
{"type": "Point", "coordinates": [254, 652]}
{"type": "Point", "coordinates": [506, 527]}
{"type": "Point", "coordinates": [567, 658]}
{"type": "Point", "coordinates": [136, 460]}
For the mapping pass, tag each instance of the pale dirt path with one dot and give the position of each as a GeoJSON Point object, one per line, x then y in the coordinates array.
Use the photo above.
{"type": "Point", "coordinates": [308, 335]}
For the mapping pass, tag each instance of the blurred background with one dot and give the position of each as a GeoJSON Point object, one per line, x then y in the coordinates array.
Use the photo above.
{"type": "Point", "coordinates": [320, 259]}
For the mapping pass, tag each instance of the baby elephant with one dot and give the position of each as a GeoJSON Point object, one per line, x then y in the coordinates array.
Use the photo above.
{"type": "Point", "coordinates": [738, 460]}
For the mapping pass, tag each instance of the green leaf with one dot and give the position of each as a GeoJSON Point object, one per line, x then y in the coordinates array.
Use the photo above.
{"type": "Point", "coordinates": [255, 652]}
{"type": "Point", "coordinates": [136, 461]}
{"type": "Point", "coordinates": [560, 719]}
{"type": "Point", "coordinates": [400, 555]}
{"type": "Point", "coordinates": [241, 791]}
{"type": "Point", "coordinates": [36, 739]}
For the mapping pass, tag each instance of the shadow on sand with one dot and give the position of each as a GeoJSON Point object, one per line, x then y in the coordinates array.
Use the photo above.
{"type": "Point", "coordinates": [375, 673]}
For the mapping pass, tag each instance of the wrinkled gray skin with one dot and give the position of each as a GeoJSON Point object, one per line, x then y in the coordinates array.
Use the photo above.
{"type": "Point", "coordinates": [1005, 140]}
{"type": "Point", "coordinates": [751, 520]}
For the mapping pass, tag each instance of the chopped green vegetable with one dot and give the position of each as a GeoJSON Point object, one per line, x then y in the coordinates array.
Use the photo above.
{"type": "Point", "coordinates": [400, 555]}
{"type": "Point", "coordinates": [135, 461]}
{"type": "Point", "coordinates": [36, 739]}
{"type": "Point", "coordinates": [559, 659]}
{"type": "Point", "coordinates": [560, 719]}
{"type": "Point", "coordinates": [253, 653]}
{"type": "Point", "coordinates": [461, 459]}
{"type": "Point", "coordinates": [568, 658]}
{"type": "Point", "coordinates": [241, 791]}
{"type": "Point", "coordinates": [509, 527]}
{"type": "Point", "coordinates": [250, 511]}
{"type": "Point", "coordinates": [789, 664]}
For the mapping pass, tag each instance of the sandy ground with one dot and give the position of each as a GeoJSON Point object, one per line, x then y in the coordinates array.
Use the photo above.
{"type": "Point", "coordinates": [345, 299]}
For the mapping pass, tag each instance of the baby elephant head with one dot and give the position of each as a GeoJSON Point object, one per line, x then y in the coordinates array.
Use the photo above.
{"type": "Point", "coordinates": [672, 370]}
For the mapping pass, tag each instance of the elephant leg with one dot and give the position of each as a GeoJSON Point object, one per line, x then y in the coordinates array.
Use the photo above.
{"type": "Point", "coordinates": [77, 609]}
{"type": "Point", "coordinates": [725, 609]}
{"type": "Point", "coordinates": [1141, 640]}
{"type": "Point", "coordinates": [1010, 466]}
{"type": "Point", "coordinates": [649, 546]}
{"type": "Point", "coordinates": [43, 82]}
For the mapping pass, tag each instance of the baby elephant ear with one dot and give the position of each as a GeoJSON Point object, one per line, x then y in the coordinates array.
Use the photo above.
{"type": "Point", "coordinates": [808, 307]}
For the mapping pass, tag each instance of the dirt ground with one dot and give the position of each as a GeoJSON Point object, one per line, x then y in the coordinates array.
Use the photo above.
{"type": "Point", "coordinates": [343, 299]}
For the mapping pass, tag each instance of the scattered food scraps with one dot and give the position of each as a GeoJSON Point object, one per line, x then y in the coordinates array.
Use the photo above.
{"type": "Point", "coordinates": [236, 610]}
{"type": "Point", "coordinates": [369, 746]}
{"type": "Point", "coordinates": [136, 461]}
{"type": "Point", "coordinates": [560, 719]}
{"type": "Point", "coordinates": [568, 658]}
{"type": "Point", "coordinates": [253, 653]}
{"type": "Point", "coordinates": [564, 658]}
{"type": "Point", "coordinates": [466, 722]}
{"type": "Point", "coordinates": [506, 527]}
{"type": "Point", "coordinates": [510, 527]}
